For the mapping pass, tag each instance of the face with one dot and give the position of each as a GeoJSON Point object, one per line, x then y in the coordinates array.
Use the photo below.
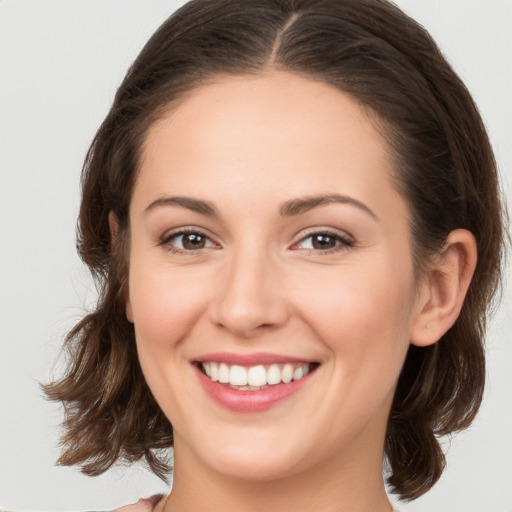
{"type": "Point", "coordinates": [271, 283]}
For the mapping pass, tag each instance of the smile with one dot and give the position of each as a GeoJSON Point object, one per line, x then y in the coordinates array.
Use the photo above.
{"type": "Point", "coordinates": [252, 383]}
{"type": "Point", "coordinates": [256, 377]}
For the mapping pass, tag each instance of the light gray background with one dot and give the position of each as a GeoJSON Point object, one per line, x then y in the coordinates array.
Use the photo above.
{"type": "Point", "coordinates": [60, 63]}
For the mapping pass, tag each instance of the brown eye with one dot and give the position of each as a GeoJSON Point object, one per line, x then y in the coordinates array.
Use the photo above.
{"type": "Point", "coordinates": [193, 241]}
{"type": "Point", "coordinates": [187, 241]}
{"type": "Point", "coordinates": [323, 241]}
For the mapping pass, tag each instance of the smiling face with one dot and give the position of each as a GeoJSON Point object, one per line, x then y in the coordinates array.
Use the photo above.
{"type": "Point", "coordinates": [270, 250]}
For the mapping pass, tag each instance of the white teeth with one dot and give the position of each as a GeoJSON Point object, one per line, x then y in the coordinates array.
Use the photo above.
{"type": "Point", "coordinates": [238, 376]}
{"type": "Point", "coordinates": [257, 376]}
{"type": "Point", "coordinates": [273, 375]}
{"type": "Point", "coordinates": [287, 373]}
{"type": "Point", "coordinates": [214, 371]}
{"type": "Point", "coordinates": [254, 377]}
{"type": "Point", "coordinates": [223, 373]}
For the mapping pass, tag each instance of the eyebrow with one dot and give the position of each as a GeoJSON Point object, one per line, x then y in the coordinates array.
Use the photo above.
{"type": "Point", "coordinates": [287, 209]}
{"type": "Point", "coordinates": [304, 204]}
{"type": "Point", "coordinates": [196, 205]}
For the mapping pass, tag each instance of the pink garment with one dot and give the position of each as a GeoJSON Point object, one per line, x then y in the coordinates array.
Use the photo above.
{"type": "Point", "coordinates": [143, 505]}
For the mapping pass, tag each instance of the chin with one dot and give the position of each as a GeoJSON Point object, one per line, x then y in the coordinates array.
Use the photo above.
{"type": "Point", "coordinates": [254, 461]}
{"type": "Point", "coordinates": [258, 468]}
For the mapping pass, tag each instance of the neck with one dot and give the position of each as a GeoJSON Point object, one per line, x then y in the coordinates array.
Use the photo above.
{"type": "Point", "coordinates": [346, 484]}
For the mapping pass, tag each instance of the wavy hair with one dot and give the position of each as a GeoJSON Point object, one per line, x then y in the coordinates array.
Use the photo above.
{"type": "Point", "coordinates": [443, 167]}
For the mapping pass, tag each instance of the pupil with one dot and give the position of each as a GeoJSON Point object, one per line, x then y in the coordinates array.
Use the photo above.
{"type": "Point", "coordinates": [193, 241]}
{"type": "Point", "coordinates": [323, 242]}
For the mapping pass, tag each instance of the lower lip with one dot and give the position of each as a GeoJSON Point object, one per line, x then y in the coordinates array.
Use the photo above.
{"type": "Point", "coordinates": [250, 401]}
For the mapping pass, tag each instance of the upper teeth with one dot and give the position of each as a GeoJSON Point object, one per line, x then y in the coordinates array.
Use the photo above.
{"type": "Point", "coordinates": [255, 376]}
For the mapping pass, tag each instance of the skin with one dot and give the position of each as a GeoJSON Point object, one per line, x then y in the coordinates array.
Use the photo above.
{"type": "Point", "coordinates": [247, 145]}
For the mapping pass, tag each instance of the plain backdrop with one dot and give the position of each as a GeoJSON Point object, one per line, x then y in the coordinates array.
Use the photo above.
{"type": "Point", "coordinates": [60, 64]}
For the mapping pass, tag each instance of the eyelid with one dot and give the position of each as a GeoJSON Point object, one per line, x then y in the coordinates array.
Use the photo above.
{"type": "Point", "coordinates": [344, 240]}
{"type": "Point", "coordinates": [347, 240]}
{"type": "Point", "coordinates": [165, 239]}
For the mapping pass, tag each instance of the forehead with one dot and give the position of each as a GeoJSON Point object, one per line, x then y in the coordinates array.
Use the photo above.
{"type": "Point", "coordinates": [277, 130]}
{"type": "Point", "coordinates": [275, 107]}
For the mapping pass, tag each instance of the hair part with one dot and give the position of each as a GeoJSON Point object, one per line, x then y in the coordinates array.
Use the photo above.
{"type": "Point", "coordinates": [444, 168]}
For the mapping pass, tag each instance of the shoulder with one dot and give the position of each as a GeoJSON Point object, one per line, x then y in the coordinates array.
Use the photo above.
{"type": "Point", "coordinates": [143, 505]}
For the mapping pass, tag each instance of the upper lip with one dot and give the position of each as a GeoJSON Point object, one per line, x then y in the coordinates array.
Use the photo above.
{"type": "Point", "coordinates": [254, 359]}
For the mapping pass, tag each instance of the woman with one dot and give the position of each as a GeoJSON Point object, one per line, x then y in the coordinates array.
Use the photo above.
{"type": "Point", "coordinates": [292, 209]}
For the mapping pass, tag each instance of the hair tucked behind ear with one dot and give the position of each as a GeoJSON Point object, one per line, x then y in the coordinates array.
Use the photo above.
{"type": "Point", "coordinates": [444, 168]}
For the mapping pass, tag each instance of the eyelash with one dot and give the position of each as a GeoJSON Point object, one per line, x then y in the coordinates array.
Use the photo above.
{"type": "Point", "coordinates": [166, 241]}
{"type": "Point", "coordinates": [342, 242]}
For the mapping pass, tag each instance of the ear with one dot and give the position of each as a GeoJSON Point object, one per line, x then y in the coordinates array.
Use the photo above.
{"type": "Point", "coordinates": [113, 224]}
{"type": "Point", "coordinates": [444, 288]}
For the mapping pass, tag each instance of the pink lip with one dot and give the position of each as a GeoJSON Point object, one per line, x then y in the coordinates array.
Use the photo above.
{"type": "Point", "coordinates": [250, 401]}
{"type": "Point", "coordinates": [250, 359]}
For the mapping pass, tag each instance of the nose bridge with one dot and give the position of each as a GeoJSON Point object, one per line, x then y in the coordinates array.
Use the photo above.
{"type": "Point", "coordinates": [249, 296]}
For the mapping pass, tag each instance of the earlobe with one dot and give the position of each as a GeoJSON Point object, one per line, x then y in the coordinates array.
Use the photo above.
{"type": "Point", "coordinates": [444, 288]}
{"type": "Point", "coordinates": [114, 239]}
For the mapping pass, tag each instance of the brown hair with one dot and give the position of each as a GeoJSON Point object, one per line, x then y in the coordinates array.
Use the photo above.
{"type": "Point", "coordinates": [444, 168]}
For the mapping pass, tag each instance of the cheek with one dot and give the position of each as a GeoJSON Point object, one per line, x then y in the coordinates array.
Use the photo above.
{"type": "Point", "coordinates": [363, 316]}
{"type": "Point", "coordinates": [165, 305]}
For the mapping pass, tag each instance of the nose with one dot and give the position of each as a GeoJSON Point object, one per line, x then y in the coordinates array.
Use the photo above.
{"type": "Point", "coordinates": [250, 299]}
